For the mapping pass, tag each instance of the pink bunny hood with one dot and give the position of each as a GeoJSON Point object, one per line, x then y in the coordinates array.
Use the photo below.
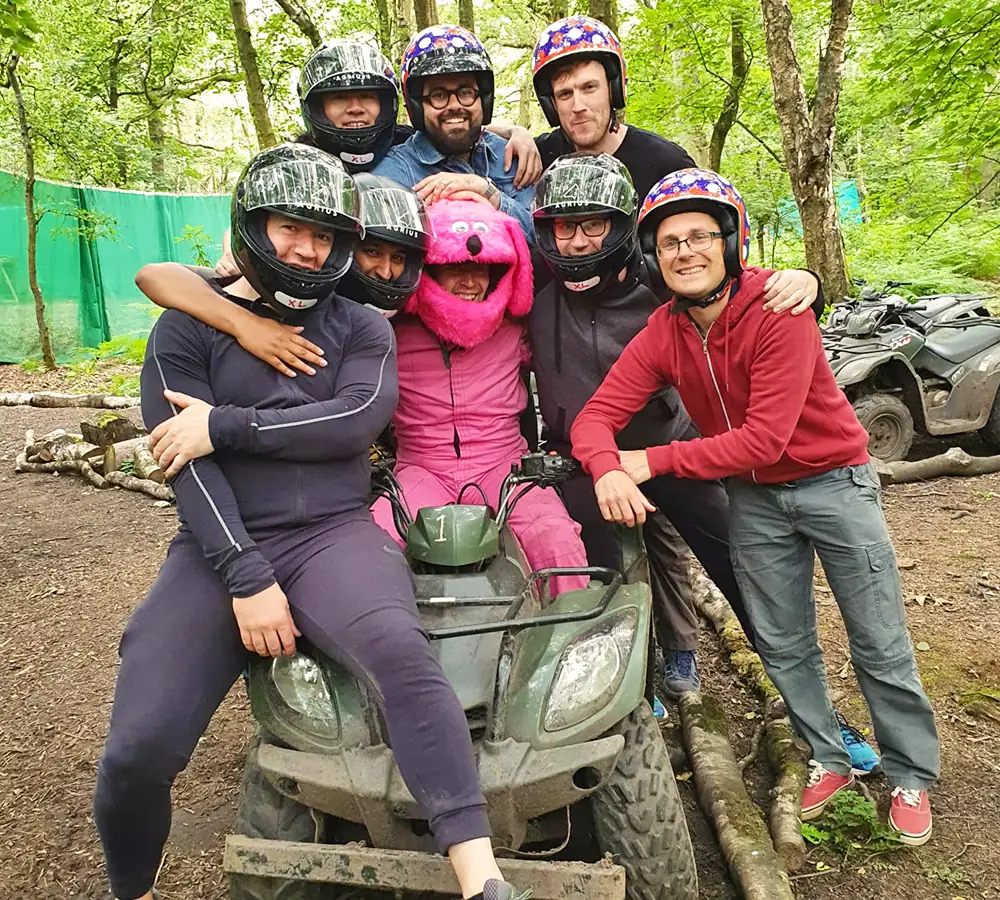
{"type": "Point", "coordinates": [468, 231]}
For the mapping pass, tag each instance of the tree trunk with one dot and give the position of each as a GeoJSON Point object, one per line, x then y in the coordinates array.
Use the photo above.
{"type": "Point", "coordinates": [302, 20]}
{"type": "Point", "coordinates": [255, 87]}
{"type": "Point", "coordinates": [560, 9]}
{"type": "Point", "coordinates": [403, 10]}
{"type": "Point", "coordinates": [426, 13]}
{"type": "Point", "coordinates": [807, 136]}
{"type": "Point", "coordinates": [158, 167]}
{"type": "Point", "coordinates": [44, 338]}
{"type": "Point", "coordinates": [385, 28]}
{"type": "Point", "coordinates": [954, 461]}
{"type": "Point", "coordinates": [467, 15]}
{"type": "Point", "coordinates": [731, 105]}
{"type": "Point", "coordinates": [114, 98]}
{"type": "Point", "coordinates": [605, 11]}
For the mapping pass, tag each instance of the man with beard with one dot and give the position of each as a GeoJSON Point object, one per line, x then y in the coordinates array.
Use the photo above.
{"type": "Point", "coordinates": [448, 89]}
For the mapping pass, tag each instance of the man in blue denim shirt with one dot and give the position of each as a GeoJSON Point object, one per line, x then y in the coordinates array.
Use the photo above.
{"type": "Point", "coordinates": [448, 89]}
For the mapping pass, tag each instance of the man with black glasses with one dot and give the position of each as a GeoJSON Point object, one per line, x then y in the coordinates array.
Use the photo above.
{"type": "Point", "coordinates": [447, 81]}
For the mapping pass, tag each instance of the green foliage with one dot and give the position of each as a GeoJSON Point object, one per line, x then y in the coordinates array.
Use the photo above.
{"type": "Point", "coordinates": [18, 27]}
{"type": "Point", "coordinates": [199, 239]}
{"type": "Point", "coordinates": [125, 385]}
{"type": "Point", "coordinates": [33, 365]}
{"type": "Point", "coordinates": [849, 823]}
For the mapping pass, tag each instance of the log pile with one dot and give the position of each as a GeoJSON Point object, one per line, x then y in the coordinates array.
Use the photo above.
{"type": "Point", "coordinates": [108, 452]}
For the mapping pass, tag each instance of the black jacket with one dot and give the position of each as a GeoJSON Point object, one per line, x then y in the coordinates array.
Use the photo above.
{"type": "Point", "coordinates": [574, 344]}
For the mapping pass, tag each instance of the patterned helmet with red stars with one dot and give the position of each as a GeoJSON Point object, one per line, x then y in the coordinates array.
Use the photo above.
{"type": "Point", "coordinates": [444, 50]}
{"type": "Point", "coordinates": [579, 38]}
{"type": "Point", "coordinates": [697, 190]}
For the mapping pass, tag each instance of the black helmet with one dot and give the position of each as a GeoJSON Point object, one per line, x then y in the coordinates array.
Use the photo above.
{"type": "Point", "coordinates": [444, 50]}
{"type": "Point", "coordinates": [303, 183]}
{"type": "Point", "coordinates": [581, 184]}
{"type": "Point", "coordinates": [342, 65]}
{"type": "Point", "coordinates": [395, 215]}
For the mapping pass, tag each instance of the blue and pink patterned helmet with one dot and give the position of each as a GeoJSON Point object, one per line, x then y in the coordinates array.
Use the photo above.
{"type": "Point", "coordinates": [696, 190]}
{"type": "Point", "coordinates": [577, 38]}
{"type": "Point", "coordinates": [444, 50]}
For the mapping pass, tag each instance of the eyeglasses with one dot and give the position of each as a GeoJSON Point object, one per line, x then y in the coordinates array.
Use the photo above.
{"type": "Point", "coordinates": [439, 97]}
{"type": "Point", "coordinates": [565, 229]}
{"type": "Point", "coordinates": [702, 240]}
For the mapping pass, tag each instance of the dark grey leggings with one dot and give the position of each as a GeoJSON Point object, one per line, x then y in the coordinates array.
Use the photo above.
{"type": "Point", "coordinates": [351, 595]}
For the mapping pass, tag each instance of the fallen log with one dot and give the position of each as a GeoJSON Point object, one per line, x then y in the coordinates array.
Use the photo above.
{"type": "Point", "coordinates": [787, 755]}
{"type": "Point", "coordinates": [954, 461]}
{"type": "Point", "coordinates": [52, 400]}
{"type": "Point", "coordinates": [743, 838]}
{"type": "Point", "coordinates": [142, 485]}
{"type": "Point", "coordinates": [61, 465]}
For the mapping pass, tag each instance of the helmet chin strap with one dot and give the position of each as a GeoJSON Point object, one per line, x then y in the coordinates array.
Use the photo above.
{"type": "Point", "coordinates": [708, 299]}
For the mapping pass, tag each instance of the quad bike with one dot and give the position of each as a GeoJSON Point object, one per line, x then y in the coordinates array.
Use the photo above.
{"type": "Point", "coordinates": [932, 366]}
{"type": "Point", "coordinates": [557, 696]}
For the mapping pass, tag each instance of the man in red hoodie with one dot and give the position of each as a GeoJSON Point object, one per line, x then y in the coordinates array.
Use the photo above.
{"type": "Point", "coordinates": [799, 479]}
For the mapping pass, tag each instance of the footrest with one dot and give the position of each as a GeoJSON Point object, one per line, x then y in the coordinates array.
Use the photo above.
{"type": "Point", "coordinates": [410, 871]}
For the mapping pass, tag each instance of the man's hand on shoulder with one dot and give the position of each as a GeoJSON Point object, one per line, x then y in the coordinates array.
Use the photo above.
{"type": "Point", "coordinates": [529, 161]}
{"type": "Point", "coordinates": [791, 289]}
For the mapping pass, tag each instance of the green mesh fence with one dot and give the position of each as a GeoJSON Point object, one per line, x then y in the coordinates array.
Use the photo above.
{"type": "Point", "coordinates": [91, 242]}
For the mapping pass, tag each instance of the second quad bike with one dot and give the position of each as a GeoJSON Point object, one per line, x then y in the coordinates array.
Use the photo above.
{"type": "Point", "coordinates": [931, 366]}
{"type": "Point", "coordinates": [556, 691]}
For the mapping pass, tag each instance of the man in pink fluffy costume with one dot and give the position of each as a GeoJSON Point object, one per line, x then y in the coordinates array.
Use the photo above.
{"type": "Point", "coordinates": [461, 344]}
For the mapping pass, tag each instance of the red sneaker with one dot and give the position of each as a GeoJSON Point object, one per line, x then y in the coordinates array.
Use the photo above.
{"type": "Point", "coordinates": [820, 789]}
{"type": "Point", "coordinates": [910, 815]}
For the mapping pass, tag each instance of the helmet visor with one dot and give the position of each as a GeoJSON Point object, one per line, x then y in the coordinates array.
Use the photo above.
{"type": "Point", "coordinates": [307, 189]}
{"type": "Point", "coordinates": [583, 188]}
{"type": "Point", "coordinates": [396, 210]}
{"type": "Point", "coordinates": [345, 66]}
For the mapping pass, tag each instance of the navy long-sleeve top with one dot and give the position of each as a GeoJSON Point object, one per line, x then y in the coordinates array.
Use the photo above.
{"type": "Point", "coordinates": [288, 451]}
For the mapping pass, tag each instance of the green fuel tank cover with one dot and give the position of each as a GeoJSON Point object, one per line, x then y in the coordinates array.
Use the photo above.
{"type": "Point", "coordinates": [454, 535]}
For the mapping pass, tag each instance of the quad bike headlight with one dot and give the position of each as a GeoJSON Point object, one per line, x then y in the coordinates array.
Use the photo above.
{"type": "Point", "coordinates": [590, 671]}
{"type": "Point", "coordinates": [299, 682]}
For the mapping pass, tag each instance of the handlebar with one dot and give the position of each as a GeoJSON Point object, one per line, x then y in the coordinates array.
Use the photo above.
{"type": "Point", "coordinates": [534, 469]}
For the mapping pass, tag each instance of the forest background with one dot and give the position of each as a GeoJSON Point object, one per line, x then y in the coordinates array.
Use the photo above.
{"type": "Point", "coordinates": [894, 104]}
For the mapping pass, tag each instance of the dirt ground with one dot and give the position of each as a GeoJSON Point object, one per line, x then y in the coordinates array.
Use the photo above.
{"type": "Point", "coordinates": [75, 562]}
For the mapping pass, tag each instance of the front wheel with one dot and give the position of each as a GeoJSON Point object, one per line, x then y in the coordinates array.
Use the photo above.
{"type": "Point", "coordinates": [990, 432]}
{"type": "Point", "coordinates": [889, 424]}
{"type": "Point", "coordinates": [639, 819]}
{"type": "Point", "coordinates": [264, 812]}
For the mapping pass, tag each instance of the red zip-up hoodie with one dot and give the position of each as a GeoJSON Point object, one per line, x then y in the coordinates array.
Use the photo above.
{"type": "Point", "coordinates": [758, 387]}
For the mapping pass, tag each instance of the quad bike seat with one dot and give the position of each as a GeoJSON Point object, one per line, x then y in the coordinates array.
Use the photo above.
{"type": "Point", "coordinates": [958, 344]}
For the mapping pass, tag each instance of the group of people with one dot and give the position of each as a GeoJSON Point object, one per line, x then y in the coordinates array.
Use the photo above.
{"type": "Point", "coordinates": [383, 274]}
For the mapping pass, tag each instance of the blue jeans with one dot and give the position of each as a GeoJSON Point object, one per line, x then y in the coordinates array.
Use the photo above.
{"type": "Point", "coordinates": [775, 531]}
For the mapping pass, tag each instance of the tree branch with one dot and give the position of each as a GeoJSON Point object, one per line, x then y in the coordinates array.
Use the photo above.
{"type": "Point", "coordinates": [774, 155]}
{"type": "Point", "coordinates": [302, 20]}
{"type": "Point", "coordinates": [786, 75]}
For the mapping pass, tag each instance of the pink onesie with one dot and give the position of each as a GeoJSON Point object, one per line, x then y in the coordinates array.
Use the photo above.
{"type": "Point", "coordinates": [461, 394]}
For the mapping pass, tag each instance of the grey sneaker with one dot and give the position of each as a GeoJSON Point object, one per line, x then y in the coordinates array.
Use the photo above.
{"type": "Point", "coordinates": [680, 673]}
{"type": "Point", "coordinates": [501, 890]}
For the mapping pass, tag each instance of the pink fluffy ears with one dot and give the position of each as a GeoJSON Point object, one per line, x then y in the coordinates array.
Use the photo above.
{"type": "Point", "coordinates": [500, 240]}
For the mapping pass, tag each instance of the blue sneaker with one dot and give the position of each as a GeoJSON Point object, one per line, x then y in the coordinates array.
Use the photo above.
{"type": "Point", "coordinates": [680, 673]}
{"type": "Point", "coordinates": [659, 711]}
{"type": "Point", "coordinates": [864, 760]}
